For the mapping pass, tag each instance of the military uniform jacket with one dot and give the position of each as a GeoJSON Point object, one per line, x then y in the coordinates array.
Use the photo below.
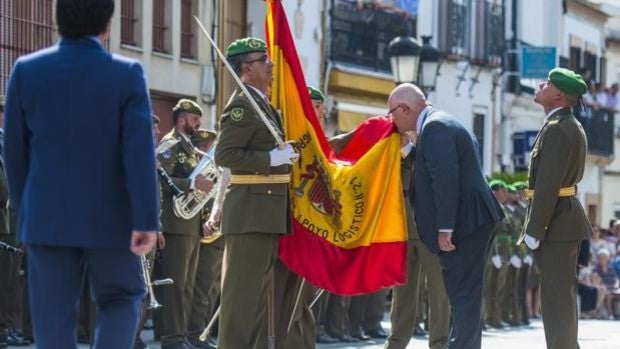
{"type": "Point", "coordinates": [243, 146]}
{"type": "Point", "coordinates": [178, 161]}
{"type": "Point", "coordinates": [557, 161]}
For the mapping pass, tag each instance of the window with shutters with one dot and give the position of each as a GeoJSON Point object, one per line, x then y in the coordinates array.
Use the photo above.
{"type": "Point", "coordinates": [360, 35]}
{"type": "Point", "coordinates": [188, 28]}
{"type": "Point", "coordinates": [131, 22]}
{"type": "Point", "coordinates": [488, 47]}
{"type": "Point", "coordinates": [25, 26]}
{"type": "Point", "coordinates": [162, 27]}
{"type": "Point", "coordinates": [454, 28]}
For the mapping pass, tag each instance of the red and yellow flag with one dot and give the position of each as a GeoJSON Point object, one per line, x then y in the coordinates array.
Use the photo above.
{"type": "Point", "coordinates": [349, 227]}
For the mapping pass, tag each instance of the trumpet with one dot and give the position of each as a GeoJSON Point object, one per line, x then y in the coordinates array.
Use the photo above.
{"type": "Point", "coordinates": [153, 303]}
{"type": "Point", "coordinates": [187, 205]}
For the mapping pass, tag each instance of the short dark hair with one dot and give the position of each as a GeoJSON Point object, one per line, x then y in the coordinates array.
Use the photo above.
{"type": "Point", "coordinates": [237, 61]}
{"type": "Point", "coordinates": [78, 18]}
{"type": "Point", "coordinates": [177, 114]}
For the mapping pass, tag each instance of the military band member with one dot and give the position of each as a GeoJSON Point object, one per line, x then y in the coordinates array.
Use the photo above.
{"type": "Point", "coordinates": [497, 264]}
{"type": "Point", "coordinates": [258, 192]}
{"type": "Point", "coordinates": [206, 288]}
{"type": "Point", "coordinates": [180, 257]}
{"type": "Point", "coordinates": [556, 222]}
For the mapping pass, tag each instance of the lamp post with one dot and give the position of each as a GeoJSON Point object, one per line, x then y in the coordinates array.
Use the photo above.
{"type": "Point", "coordinates": [404, 57]}
{"type": "Point", "coordinates": [412, 62]}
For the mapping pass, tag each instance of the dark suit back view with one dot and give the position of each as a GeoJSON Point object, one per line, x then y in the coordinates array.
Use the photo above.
{"type": "Point", "coordinates": [451, 194]}
{"type": "Point", "coordinates": [80, 164]}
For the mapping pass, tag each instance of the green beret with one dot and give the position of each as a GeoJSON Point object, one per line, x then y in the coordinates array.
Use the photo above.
{"type": "Point", "coordinates": [519, 185]}
{"type": "Point", "coordinates": [202, 135]}
{"type": "Point", "coordinates": [2, 103]}
{"type": "Point", "coordinates": [245, 45]}
{"type": "Point", "coordinates": [567, 81]}
{"type": "Point", "coordinates": [316, 94]}
{"type": "Point", "coordinates": [156, 119]}
{"type": "Point", "coordinates": [497, 183]}
{"type": "Point", "coordinates": [189, 106]}
{"type": "Point", "coordinates": [511, 188]}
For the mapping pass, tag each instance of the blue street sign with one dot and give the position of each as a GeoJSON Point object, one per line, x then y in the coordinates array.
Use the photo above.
{"type": "Point", "coordinates": [537, 61]}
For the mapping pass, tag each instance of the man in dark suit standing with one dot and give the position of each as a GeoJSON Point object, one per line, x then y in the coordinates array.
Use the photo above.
{"type": "Point", "coordinates": [455, 209]}
{"type": "Point", "coordinates": [81, 172]}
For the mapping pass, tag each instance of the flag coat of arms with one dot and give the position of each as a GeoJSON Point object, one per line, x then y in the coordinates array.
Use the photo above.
{"type": "Point", "coordinates": [349, 231]}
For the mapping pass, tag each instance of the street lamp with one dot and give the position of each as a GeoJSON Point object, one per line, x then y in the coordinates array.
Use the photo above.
{"type": "Point", "coordinates": [429, 61]}
{"type": "Point", "coordinates": [404, 57]}
{"type": "Point", "coordinates": [407, 56]}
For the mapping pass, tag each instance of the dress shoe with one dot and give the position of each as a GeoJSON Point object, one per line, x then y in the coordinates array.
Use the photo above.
{"type": "Point", "coordinates": [347, 339]}
{"type": "Point", "coordinates": [16, 340]}
{"type": "Point", "coordinates": [418, 332]}
{"type": "Point", "coordinates": [357, 332]}
{"type": "Point", "coordinates": [139, 344]}
{"type": "Point", "coordinates": [324, 338]}
{"type": "Point", "coordinates": [378, 333]}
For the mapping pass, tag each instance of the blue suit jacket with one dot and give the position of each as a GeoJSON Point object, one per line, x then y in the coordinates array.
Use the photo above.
{"type": "Point", "coordinates": [79, 147]}
{"type": "Point", "coordinates": [450, 191]}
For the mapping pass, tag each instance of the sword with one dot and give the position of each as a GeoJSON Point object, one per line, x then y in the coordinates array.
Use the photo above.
{"type": "Point", "coordinates": [262, 115]}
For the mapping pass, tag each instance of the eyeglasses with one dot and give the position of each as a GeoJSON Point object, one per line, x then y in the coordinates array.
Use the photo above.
{"type": "Point", "coordinates": [396, 108]}
{"type": "Point", "coordinates": [263, 59]}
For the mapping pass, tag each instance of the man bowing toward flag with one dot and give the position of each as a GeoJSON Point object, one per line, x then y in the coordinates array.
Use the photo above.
{"type": "Point", "coordinates": [455, 209]}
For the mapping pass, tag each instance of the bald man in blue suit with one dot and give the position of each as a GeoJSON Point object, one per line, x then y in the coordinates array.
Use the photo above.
{"type": "Point", "coordinates": [81, 170]}
{"type": "Point", "coordinates": [454, 208]}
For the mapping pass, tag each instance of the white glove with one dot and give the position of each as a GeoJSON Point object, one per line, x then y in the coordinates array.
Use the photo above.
{"type": "Point", "coordinates": [497, 261]}
{"type": "Point", "coordinates": [284, 156]}
{"type": "Point", "coordinates": [528, 260]}
{"type": "Point", "coordinates": [515, 261]}
{"type": "Point", "coordinates": [531, 242]}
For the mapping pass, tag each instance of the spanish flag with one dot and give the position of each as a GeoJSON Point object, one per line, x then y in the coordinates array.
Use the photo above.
{"type": "Point", "coordinates": [349, 227]}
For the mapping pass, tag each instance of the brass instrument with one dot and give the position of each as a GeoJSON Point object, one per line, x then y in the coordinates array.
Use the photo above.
{"type": "Point", "coordinates": [187, 205]}
{"type": "Point", "coordinates": [153, 303]}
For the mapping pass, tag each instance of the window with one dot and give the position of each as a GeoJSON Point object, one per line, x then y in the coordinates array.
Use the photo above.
{"type": "Point", "coordinates": [188, 29]}
{"type": "Point", "coordinates": [25, 26]}
{"type": "Point", "coordinates": [575, 58]}
{"type": "Point", "coordinates": [488, 45]}
{"type": "Point", "coordinates": [161, 26]}
{"type": "Point", "coordinates": [454, 28]}
{"type": "Point", "coordinates": [131, 22]}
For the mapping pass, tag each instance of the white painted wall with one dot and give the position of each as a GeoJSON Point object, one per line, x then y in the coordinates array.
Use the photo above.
{"type": "Point", "coordinates": [305, 21]}
{"type": "Point", "coordinates": [466, 103]}
{"type": "Point", "coordinates": [170, 73]}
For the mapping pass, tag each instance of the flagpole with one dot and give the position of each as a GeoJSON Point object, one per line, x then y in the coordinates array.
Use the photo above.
{"type": "Point", "coordinates": [241, 85]}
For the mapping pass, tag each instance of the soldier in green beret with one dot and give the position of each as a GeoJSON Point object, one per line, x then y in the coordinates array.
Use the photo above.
{"type": "Point", "coordinates": [318, 102]}
{"type": "Point", "coordinates": [180, 257]}
{"type": "Point", "coordinates": [511, 308]}
{"type": "Point", "coordinates": [497, 264]}
{"type": "Point", "coordinates": [258, 190]}
{"type": "Point", "coordinates": [556, 222]}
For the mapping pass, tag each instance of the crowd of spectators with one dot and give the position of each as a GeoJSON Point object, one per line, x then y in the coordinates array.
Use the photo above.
{"type": "Point", "coordinates": [599, 272]}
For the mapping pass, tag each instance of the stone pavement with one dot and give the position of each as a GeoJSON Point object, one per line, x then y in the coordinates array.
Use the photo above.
{"type": "Point", "coordinates": [593, 334]}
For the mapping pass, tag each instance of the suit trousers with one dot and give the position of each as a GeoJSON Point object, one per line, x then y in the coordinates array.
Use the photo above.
{"type": "Point", "coordinates": [179, 261]}
{"type": "Point", "coordinates": [557, 262]}
{"type": "Point", "coordinates": [207, 287]}
{"type": "Point", "coordinates": [463, 275]}
{"type": "Point", "coordinates": [249, 260]}
{"type": "Point", "coordinates": [56, 275]}
{"type": "Point", "coordinates": [420, 263]}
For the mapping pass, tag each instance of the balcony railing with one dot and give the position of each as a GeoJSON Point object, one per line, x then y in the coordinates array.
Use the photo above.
{"type": "Point", "coordinates": [360, 37]}
{"type": "Point", "coordinates": [599, 128]}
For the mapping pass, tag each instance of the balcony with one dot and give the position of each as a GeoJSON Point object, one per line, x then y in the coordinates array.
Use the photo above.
{"type": "Point", "coordinates": [360, 37]}
{"type": "Point", "coordinates": [599, 128]}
